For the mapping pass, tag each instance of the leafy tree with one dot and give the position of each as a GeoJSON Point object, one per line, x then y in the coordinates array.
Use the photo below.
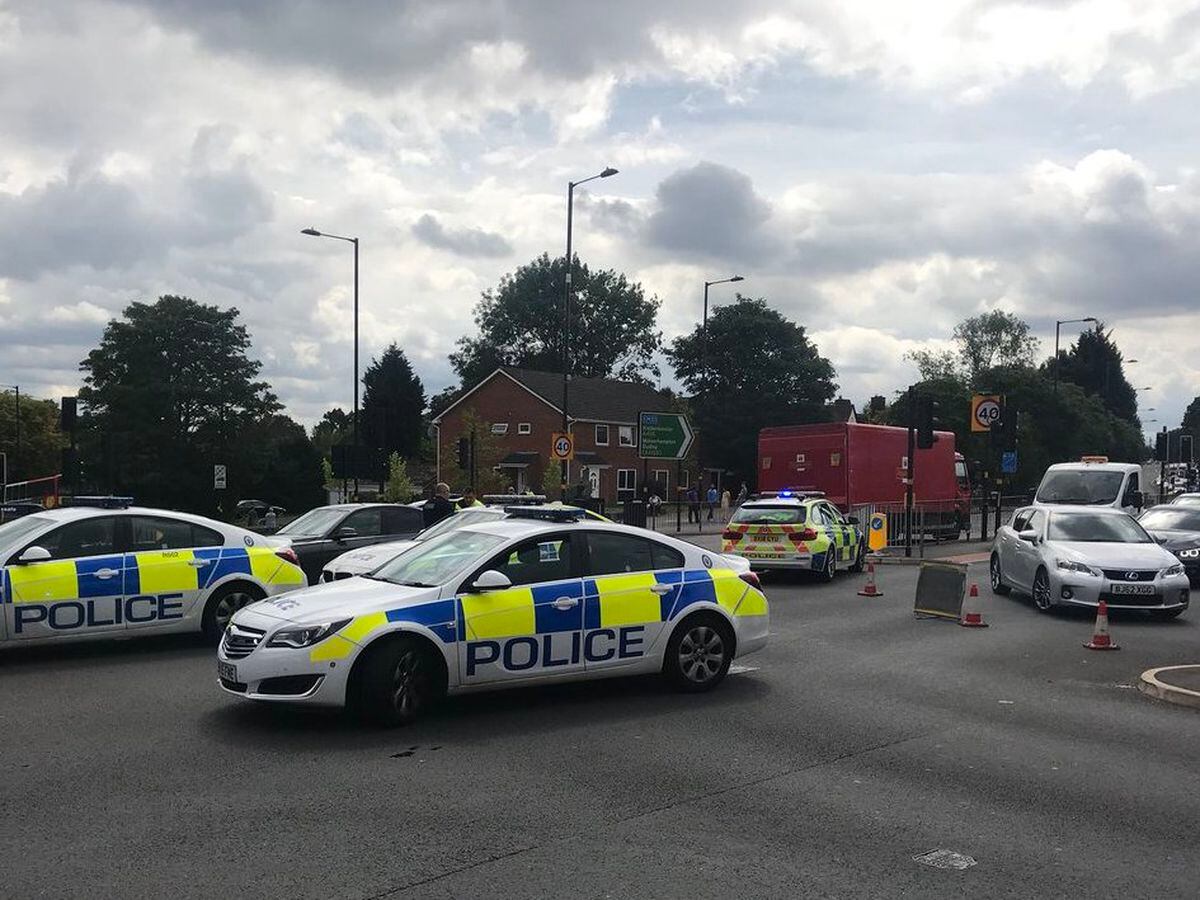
{"type": "Point", "coordinates": [552, 479]}
{"type": "Point", "coordinates": [1191, 417]}
{"type": "Point", "coordinates": [1095, 364]}
{"type": "Point", "coordinates": [399, 487]}
{"type": "Point", "coordinates": [393, 404]}
{"type": "Point", "coordinates": [38, 454]}
{"type": "Point", "coordinates": [993, 338]}
{"type": "Point", "coordinates": [169, 392]}
{"type": "Point", "coordinates": [274, 460]}
{"type": "Point", "coordinates": [762, 370]}
{"type": "Point", "coordinates": [935, 365]}
{"type": "Point", "coordinates": [488, 479]}
{"type": "Point", "coordinates": [334, 428]}
{"type": "Point", "coordinates": [520, 323]}
{"type": "Point", "coordinates": [443, 399]}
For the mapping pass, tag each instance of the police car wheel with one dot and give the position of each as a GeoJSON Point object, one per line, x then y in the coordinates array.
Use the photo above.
{"type": "Point", "coordinates": [399, 681]}
{"type": "Point", "coordinates": [223, 604]}
{"type": "Point", "coordinates": [830, 571]}
{"type": "Point", "coordinates": [860, 558]}
{"type": "Point", "coordinates": [698, 654]}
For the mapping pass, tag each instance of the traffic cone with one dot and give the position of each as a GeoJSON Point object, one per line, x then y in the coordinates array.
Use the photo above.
{"type": "Point", "coordinates": [871, 589]}
{"type": "Point", "coordinates": [1101, 639]}
{"type": "Point", "coordinates": [972, 617]}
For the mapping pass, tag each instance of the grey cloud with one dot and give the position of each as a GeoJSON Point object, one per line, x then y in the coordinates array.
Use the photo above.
{"type": "Point", "coordinates": [710, 211]}
{"type": "Point", "coordinates": [472, 242]}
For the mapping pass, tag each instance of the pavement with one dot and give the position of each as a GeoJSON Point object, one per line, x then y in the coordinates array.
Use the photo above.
{"type": "Point", "coordinates": [863, 753]}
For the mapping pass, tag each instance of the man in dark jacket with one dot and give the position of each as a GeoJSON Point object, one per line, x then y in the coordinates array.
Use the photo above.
{"type": "Point", "coordinates": [439, 506]}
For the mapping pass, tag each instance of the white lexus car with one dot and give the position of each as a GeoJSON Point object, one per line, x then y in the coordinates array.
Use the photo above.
{"type": "Point", "coordinates": [540, 596]}
{"type": "Point", "coordinates": [1078, 556]}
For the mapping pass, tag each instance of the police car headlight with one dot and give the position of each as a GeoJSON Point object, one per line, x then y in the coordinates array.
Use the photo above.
{"type": "Point", "coordinates": [307, 635]}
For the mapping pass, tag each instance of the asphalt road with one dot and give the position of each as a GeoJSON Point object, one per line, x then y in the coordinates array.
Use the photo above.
{"type": "Point", "coordinates": [860, 739]}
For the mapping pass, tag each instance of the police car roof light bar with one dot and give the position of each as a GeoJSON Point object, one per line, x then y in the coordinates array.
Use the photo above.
{"type": "Point", "coordinates": [99, 502]}
{"type": "Point", "coordinates": [545, 513]}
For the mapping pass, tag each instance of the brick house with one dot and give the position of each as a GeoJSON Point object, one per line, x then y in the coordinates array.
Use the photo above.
{"type": "Point", "coordinates": [523, 409]}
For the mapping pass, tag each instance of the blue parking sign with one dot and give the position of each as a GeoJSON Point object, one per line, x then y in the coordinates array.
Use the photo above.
{"type": "Point", "coordinates": [1008, 462]}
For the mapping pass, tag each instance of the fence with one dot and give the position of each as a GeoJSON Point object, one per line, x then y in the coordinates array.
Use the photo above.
{"type": "Point", "coordinates": [36, 490]}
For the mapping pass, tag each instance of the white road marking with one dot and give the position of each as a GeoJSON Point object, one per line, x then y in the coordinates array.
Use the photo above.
{"type": "Point", "coordinates": [945, 859]}
{"type": "Point", "coordinates": [739, 670]}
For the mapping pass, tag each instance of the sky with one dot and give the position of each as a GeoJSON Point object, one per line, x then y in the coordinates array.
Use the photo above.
{"type": "Point", "coordinates": [877, 170]}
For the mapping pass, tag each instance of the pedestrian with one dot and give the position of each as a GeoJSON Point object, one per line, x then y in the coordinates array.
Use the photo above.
{"type": "Point", "coordinates": [469, 499]}
{"type": "Point", "coordinates": [439, 507]}
{"type": "Point", "coordinates": [742, 495]}
{"type": "Point", "coordinates": [711, 500]}
{"type": "Point", "coordinates": [270, 521]}
{"type": "Point", "coordinates": [693, 500]}
{"type": "Point", "coordinates": [725, 505]}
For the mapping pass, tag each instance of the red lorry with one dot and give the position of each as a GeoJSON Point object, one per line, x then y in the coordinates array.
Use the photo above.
{"type": "Point", "coordinates": [863, 465]}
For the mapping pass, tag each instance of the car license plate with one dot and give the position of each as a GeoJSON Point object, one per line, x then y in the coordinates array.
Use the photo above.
{"type": "Point", "coordinates": [225, 670]}
{"type": "Point", "coordinates": [758, 555]}
{"type": "Point", "coordinates": [1133, 589]}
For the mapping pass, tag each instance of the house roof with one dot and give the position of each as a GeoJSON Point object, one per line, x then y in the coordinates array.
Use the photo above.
{"type": "Point", "coordinates": [591, 399]}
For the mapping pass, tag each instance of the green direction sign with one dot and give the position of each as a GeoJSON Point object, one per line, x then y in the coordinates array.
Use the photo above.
{"type": "Point", "coordinates": [663, 435]}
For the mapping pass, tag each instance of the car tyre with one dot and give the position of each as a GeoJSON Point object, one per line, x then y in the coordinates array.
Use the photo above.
{"type": "Point", "coordinates": [223, 604]}
{"type": "Point", "coordinates": [699, 653]}
{"type": "Point", "coordinates": [398, 682]}
{"type": "Point", "coordinates": [1042, 598]}
{"type": "Point", "coordinates": [998, 585]}
{"type": "Point", "coordinates": [860, 559]}
{"type": "Point", "coordinates": [829, 572]}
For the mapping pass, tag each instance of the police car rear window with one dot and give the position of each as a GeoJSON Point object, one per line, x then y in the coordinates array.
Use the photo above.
{"type": "Point", "coordinates": [770, 515]}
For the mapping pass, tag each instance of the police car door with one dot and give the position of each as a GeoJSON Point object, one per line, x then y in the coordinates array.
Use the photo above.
{"type": "Point", "coordinates": [532, 628]}
{"type": "Point", "coordinates": [164, 576]}
{"type": "Point", "coordinates": [630, 586]}
{"type": "Point", "coordinates": [79, 590]}
{"type": "Point", "coordinates": [844, 531]}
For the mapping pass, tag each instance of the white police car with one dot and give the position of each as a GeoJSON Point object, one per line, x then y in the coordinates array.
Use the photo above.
{"type": "Point", "coordinates": [94, 572]}
{"type": "Point", "coordinates": [541, 596]}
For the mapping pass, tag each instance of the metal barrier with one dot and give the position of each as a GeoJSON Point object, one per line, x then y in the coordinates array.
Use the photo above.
{"type": "Point", "coordinates": [42, 490]}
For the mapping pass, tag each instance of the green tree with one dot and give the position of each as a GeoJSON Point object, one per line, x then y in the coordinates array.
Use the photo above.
{"type": "Point", "coordinates": [552, 479]}
{"type": "Point", "coordinates": [443, 399]}
{"type": "Point", "coordinates": [935, 365]}
{"type": "Point", "coordinates": [169, 392]}
{"type": "Point", "coordinates": [993, 338]}
{"type": "Point", "coordinates": [1191, 417]}
{"type": "Point", "coordinates": [274, 460]}
{"type": "Point", "coordinates": [334, 428]}
{"type": "Point", "coordinates": [488, 479]}
{"type": "Point", "coordinates": [520, 323]}
{"type": "Point", "coordinates": [399, 487]}
{"type": "Point", "coordinates": [38, 453]}
{"type": "Point", "coordinates": [761, 370]}
{"type": "Point", "coordinates": [393, 404]}
{"type": "Point", "coordinates": [1095, 364]}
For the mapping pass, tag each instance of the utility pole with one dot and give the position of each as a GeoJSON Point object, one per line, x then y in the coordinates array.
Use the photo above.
{"type": "Point", "coordinates": [912, 456]}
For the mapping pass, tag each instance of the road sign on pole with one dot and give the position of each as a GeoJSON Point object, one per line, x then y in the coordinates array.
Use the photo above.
{"type": "Point", "coordinates": [219, 478]}
{"type": "Point", "coordinates": [985, 411]}
{"type": "Point", "coordinates": [562, 446]}
{"type": "Point", "coordinates": [663, 435]}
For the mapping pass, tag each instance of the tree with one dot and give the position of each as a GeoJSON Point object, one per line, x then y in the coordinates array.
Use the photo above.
{"type": "Point", "coordinates": [1191, 418]}
{"type": "Point", "coordinates": [274, 460]}
{"type": "Point", "coordinates": [935, 365]}
{"type": "Point", "coordinates": [552, 479]}
{"type": "Point", "coordinates": [761, 370]}
{"type": "Point", "coordinates": [334, 428]}
{"type": "Point", "coordinates": [1095, 364]}
{"type": "Point", "coordinates": [399, 487]}
{"type": "Point", "coordinates": [488, 479]}
{"type": "Point", "coordinates": [393, 404]}
{"type": "Point", "coordinates": [993, 338]}
{"type": "Point", "coordinates": [443, 399]}
{"type": "Point", "coordinates": [170, 392]}
{"type": "Point", "coordinates": [520, 323]}
{"type": "Point", "coordinates": [38, 454]}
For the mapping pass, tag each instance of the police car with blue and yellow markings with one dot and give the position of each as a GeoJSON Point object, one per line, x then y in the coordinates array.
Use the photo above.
{"type": "Point", "coordinates": [543, 595]}
{"type": "Point", "coordinates": [795, 530]}
{"type": "Point", "coordinates": [77, 573]}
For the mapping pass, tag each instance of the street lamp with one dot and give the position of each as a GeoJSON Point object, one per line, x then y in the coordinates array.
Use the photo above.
{"type": "Point", "coordinates": [704, 326]}
{"type": "Point", "coordinates": [607, 172]}
{"type": "Point", "coordinates": [312, 232]}
{"type": "Point", "coordinates": [1057, 325]}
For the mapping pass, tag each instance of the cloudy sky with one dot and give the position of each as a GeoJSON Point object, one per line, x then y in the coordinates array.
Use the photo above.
{"type": "Point", "coordinates": [877, 169]}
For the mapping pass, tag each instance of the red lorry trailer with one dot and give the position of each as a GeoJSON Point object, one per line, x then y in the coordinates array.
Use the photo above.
{"type": "Point", "coordinates": [861, 465]}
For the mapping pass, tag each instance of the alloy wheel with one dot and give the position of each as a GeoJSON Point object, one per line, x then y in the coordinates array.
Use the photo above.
{"type": "Point", "coordinates": [701, 654]}
{"type": "Point", "coordinates": [228, 605]}
{"type": "Point", "coordinates": [1041, 591]}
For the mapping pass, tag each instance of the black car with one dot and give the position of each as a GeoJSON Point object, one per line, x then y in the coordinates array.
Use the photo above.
{"type": "Point", "coordinates": [14, 509]}
{"type": "Point", "coordinates": [1177, 528]}
{"type": "Point", "coordinates": [328, 531]}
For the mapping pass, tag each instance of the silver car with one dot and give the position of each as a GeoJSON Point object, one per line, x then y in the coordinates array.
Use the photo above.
{"type": "Point", "coordinates": [1065, 555]}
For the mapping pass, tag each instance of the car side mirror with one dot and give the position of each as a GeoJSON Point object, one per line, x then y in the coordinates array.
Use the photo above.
{"type": "Point", "coordinates": [1030, 536]}
{"type": "Point", "coordinates": [344, 533]}
{"type": "Point", "coordinates": [852, 520]}
{"type": "Point", "coordinates": [34, 554]}
{"type": "Point", "coordinates": [491, 580]}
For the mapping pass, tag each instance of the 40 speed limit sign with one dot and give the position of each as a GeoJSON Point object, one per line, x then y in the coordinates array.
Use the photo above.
{"type": "Point", "coordinates": [562, 446]}
{"type": "Point", "coordinates": [985, 411]}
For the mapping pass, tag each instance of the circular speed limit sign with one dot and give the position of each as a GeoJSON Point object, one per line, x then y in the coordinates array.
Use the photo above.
{"type": "Point", "coordinates": [987, 413]}
{"type": "Point", "coordinates": [562, 446]}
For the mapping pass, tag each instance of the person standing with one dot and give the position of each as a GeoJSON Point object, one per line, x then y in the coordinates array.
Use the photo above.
{"type": "Point", "coordinates": [710, 500]}
{"type": "Point", "coordinates": [439, 506]}
{"type": "Point", "coordinates": [469, 499]}
{"type": "Point", "coordinates": [693, 499]}
{"type": "Point", "coordinates": [742, 495]}
{"type": "Point", "coordinates": [725, 505]}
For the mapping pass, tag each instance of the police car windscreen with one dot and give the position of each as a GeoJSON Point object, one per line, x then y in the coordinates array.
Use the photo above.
{"type": "Point", "coordinates": [436, 561]}
{"type": "Point", "coordinates": [12, 532]}
{"type": "Point", "coordinates": [769, 515]}
{"type": "Point", "coordinates": [1095, 528]}
{"type": "Point", "coordinates": [1080, 486]}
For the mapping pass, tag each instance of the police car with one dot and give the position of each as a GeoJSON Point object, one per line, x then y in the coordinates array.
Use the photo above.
{"type": "Point", "coordinates": [540, 596]}
{"type": "Point", "coordinates": [88, 573]}
{"type": "Point", "coordinates": [795, 530]}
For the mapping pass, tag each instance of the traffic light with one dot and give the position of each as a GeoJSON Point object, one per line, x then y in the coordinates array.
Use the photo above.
{"type": "Point", "coordinates": [1185, 448]}
{"type": "Point", "coordinates": [926, 421]}
{"type": "Point", "coordinates": [464, 453]}
{"type": "Point", "coordinates": [1161, 444]}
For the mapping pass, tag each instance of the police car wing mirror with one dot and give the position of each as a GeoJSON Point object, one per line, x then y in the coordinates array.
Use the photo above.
{"type": "Point", "coordinates": [1030, 536]}
{"type": "Point", "coordinates": [344, 533]}
{"type": "Point", "coordinates": [34, 554]}
{"type": "Point", "coordinates": [852, 520]}
{"type": "Point", "coordinates": [491, 580]}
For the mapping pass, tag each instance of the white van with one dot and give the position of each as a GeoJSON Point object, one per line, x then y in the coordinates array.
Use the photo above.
{"type": "Point", "coordinates": [1093, 481]}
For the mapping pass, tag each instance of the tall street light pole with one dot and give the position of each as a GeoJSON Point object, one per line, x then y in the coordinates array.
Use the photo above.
{"type": "Point", "coordinates": [566, 353]}
{"type": "Point", "coordinates": [704, 360]}
{"type": "Point", "coordinates": [312, 232]}
{"type": "Point", "coordinates": [1058, 325]}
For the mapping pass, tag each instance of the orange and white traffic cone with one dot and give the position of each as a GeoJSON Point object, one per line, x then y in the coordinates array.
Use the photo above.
{"type": "Point", "coordinates": [1101, 639]}
{"type": "Point", "coordinates": [871, 589]}
{"type": "Point", "coordinates": [972, 617]}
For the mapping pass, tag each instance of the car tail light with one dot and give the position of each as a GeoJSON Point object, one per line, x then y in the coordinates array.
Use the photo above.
{"type": "Point", "coordinates": [730, 535]}
{"type": "Point", "coordinates": [287, 554]}
{"type": "Point", "coordinates": [800, 537]}
{"type": "Point", "coordinates": [751, 579]}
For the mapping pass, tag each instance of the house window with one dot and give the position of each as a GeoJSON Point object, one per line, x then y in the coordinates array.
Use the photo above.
{"type": "Point", "coordinates": [524, 428]}
{"type": "Point", "coordinates": [499, 428]}
{"type": "Point", "coordinates": [601, 435]}
{"type": "Point", "coordinates": [685, 480]}
{"type": "Point", "coordinates": [627, 480]}
{"type": "Point", "coordinates": [662, 483]}
{"type": "Point", "coordinates": [626, 435]}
